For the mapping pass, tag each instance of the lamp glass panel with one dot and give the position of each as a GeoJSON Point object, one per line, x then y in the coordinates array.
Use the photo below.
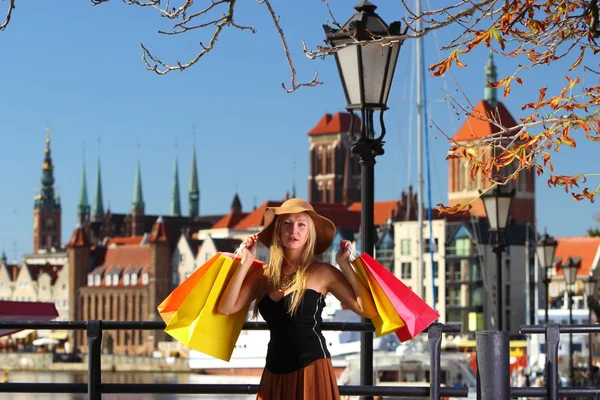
{"type": "Point", "coordinates": [549, 251]}
{"type": "Point", "coordinates": [589, 287]}
{"type": "Point", "coordinates": [395, 48]}
{"type": "Point", "coordinates": [540, 252]}
{"type": "Point", "coordinates": [375, 58]}
{"type": "Point", "coordinates": [349, 70]}
{"type": "Point", "coordinates": [503, 211]}
{"type": "Point", "coordinates": [489, 203]}
{"type": "Point", "coordinates": [570, 274]}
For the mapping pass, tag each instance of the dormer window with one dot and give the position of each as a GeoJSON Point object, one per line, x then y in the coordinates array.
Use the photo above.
{"type": "Point", "coordinates": [145, 278]}
{"type": "Point", "coordinates": [115, 279]}
{"type": "Point", "coordinates": [108, 280]}
{"type": "Point", "coordinates": [90, 280]}
{"type": "Point", "coordinates": [97, 280]}
{"type": "Point", "coordinates": [126, 279]}
{"type": "Point", "coordinates": [134, 279]}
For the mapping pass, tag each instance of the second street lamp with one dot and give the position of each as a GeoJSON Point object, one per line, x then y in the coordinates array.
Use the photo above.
{"type": "Point", "coordinates": [570, 273]}
{"type": "Point", "coordinates": [545, 250]}
{"type": "Point", "coordinates": [590, 290]}
{"type": "Point", "coordinates": [366, 50]}
{"type": "Point", "coordinates": [497, 210]}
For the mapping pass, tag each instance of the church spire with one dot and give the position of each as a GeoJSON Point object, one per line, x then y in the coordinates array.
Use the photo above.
{"type": "Point", "coordinates": [175, 202]}
{"type": "Point", "coordinates": [84, 206]}
{"type": "Point", "coordinates": [138, 198]}
{"type": "Point", "coordinates": [490, 93]}
{"type": "Point", "coordinates": [98, 206]}
{"type": "Point", "coordinates": [47, 198]}
{"type": "Point", "coordinates": [194, 191]}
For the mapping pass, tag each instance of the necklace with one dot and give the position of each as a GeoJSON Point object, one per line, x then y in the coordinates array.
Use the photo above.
{"type": "Point", "coordinates": [287, 282]}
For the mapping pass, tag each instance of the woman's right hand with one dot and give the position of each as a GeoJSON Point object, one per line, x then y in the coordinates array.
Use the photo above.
{"type": "Point", "coordinates": [249, 251]}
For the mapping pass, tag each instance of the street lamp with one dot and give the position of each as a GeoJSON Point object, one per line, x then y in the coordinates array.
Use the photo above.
{"type": "Point", "coordinates": [545, 250]}
{"type": "Point", "coordinates": [366, 50]}
{"type": "Point", "coordinates": [590, 290]}
{"type": "Point", "coordinates": [570, 272]}
{"type": "Point", "coordinates": [497, 210]}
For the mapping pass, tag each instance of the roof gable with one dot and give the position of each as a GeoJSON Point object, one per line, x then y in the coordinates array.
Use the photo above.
{"type": "Point", "coordinates": [230, 220]}
{"type": "Point", "coordinates": [587, 248]}
{"type": "Point", "coordinates": [336, 123]}
{"type": "Point", "coordinates": [477, 126]}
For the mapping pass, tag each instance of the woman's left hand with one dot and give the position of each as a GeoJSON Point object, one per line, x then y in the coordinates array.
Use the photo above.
{"type": "Point", "coordinates": [343, 253]}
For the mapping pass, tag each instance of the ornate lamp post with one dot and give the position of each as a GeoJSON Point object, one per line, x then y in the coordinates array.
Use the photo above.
{"type": "Point", "coordinates": [497, 210]}
{"type": "Point", "coordinates": [545, 250]}
{"type": "Point", "coordinates": [570, 272]}
{"type": "Point", "coordinates": [590, 290]}
{"type": "Point", "coordinates": [366, 55]}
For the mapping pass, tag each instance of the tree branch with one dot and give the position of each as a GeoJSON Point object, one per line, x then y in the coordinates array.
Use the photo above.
{"type": "Point", "coordinates": [11, 7]}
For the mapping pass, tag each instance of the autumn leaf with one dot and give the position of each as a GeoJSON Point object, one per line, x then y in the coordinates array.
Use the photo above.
{"type": "Point", "coordinates": [458, 208]}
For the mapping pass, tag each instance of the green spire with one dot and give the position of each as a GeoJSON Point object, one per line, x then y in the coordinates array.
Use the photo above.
{"type": "Point", "coordinates": [138, 198]}
{"type": "Point", "coordinates": [194, 192]}
{"type": "Point", "coordinates": [3, 258]}
{"type": "Point", "coordinates": [489, 93]}
{"type": "Point", "coordinates": [98, 207]}
{"type": "Point", "coordinates": [175, 202]}
{"type": "Point", "coordinates": [47, 199]}
{"type": "Point", "coordinates": [84, 205]}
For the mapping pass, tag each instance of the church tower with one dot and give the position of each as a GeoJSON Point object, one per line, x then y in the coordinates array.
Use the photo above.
{"type": "Point", "coordinates": [137, 206]}
{"type": "Point", "coordinates": [83, 208]}
{"type": "Point", "coordinates": [334, 175]}
{"type": "Point", "coordinates": [194, 191]}
{"type": "Point", "coordinates": [461, 188]}
{"type": "Point", "coordinates": [46, 207]}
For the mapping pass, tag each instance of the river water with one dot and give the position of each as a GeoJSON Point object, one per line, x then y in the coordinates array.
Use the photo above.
{"type": "Point", "coordinates": [125, 377]}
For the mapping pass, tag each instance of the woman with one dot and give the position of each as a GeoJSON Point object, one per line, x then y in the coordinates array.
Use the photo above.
{"type": "Point", "coordinates": [290, 295]}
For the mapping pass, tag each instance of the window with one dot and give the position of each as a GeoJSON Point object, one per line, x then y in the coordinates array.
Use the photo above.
{"type": "Point", "coordinates": [429, 245]}
{"type": "Point", "coordinates": [453, 297]}
{"type": "Point", "coordinates": [64, 286]}
{"type": "Point", "coordinates": [108, 280]}
{"type": "Point", "coordinates": [405, 270]}
{"type": "Point", "coordinates": [463, 247]}
{"type": "Point", "coordinates": [97, 280]}
{"type": "Point", "coordinates": [145, 278]}
{"type": "Point", "coordinates": [126, 279]}
{"type": "Point", "coordinates": [476, 297]}
{"type": "Point", "coordinates": [115, 279]}
{"type": "Point", "coordinates": [475, 273]}
{"type": "Point", "coordinates": [134, 279]}
{"type": "Point", "coordinates": [427, 267]}
{"type": "Point", "coordinates": [405, 247]}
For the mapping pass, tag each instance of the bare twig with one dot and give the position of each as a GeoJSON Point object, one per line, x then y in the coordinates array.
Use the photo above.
{"type": "Point", "coordinates": [11, 7]}
{"type": "Point", "coordinates": [295, 86]}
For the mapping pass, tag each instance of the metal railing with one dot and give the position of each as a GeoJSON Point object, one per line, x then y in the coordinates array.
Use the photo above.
{"type": "Point", "coordinates": [95, 388]}
{"type": "Point", "coordinates": [493, 365]}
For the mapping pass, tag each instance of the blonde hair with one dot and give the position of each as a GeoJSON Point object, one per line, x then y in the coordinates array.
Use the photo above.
{"type": "Point", "coordinates": [277, 258]}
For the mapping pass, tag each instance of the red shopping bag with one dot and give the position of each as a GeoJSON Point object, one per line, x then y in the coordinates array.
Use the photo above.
{"type": "Point", "coordinates": [416, 314]}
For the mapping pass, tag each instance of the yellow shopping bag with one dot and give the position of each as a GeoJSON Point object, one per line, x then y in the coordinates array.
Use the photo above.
{"type": "Point", "coordinates": [197, 323]}
{"type": "Point", "coordinates": [387, 320]}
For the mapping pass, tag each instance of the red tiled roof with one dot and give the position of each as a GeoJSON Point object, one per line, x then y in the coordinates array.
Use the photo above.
{"type": "Point", "coordinates": [255, 218]}
{"type": "Point", "coordinates": [36, 270]}
{"type": "Point", "coordinates": [588, 248]}
{"type": "Point", "coordinates": [382, 210]}
{"type": "Point", "coordinates": [159, 232]}
{"type": "Point", "coordinates": [230, 220]}
{"type": "Point", "coordinates": [79, 238]}
{"type": "Point", "coordinates": [336, 123]}
{"type": "Point", "coordinates": [120, 241]}
{"type": "Point", "coordinates": [25, 311]}
{"type": "Point", "coordinates": [476, 126]}
{"type": "Point", "coordinates": [122, 259]}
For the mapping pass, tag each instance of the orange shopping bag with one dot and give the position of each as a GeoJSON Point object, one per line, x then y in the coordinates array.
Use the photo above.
{"type": "Point", "coordinates": [169, 306]}
{"type": "Point", "coordinates": [414, 311]}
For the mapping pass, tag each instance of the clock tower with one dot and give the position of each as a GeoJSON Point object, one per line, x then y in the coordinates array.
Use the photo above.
{"type": "Point", "coordinates": [46, 207]}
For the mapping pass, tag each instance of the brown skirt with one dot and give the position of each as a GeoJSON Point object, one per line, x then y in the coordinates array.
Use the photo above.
{"type": "Point", "coordinates": [316, 381]}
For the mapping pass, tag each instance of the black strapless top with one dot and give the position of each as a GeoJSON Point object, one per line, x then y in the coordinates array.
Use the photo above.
{"type": "Point", "coordinates": [296, 340]}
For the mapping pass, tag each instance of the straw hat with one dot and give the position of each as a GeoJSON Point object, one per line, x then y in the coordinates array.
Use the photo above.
{"type": "Point", "coordinates": [325, 228]}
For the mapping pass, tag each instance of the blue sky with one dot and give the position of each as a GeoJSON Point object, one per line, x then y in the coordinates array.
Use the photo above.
{"type": "Point", "coordinates": [79, 69]}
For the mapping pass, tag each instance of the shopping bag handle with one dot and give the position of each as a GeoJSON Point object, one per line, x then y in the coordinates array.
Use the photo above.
{"type": "Point", "coordinates": [353, 252]}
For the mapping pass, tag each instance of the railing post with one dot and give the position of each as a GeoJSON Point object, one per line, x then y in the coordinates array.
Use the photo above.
{"type": "Point", "coordinates": [552, 342]}
{"type": "Point", "coordinates": [94, 336]}
{"type": "Point", "coordinates": [493, 365]}
{"type": "Point", "coordinates": [435, 344]}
